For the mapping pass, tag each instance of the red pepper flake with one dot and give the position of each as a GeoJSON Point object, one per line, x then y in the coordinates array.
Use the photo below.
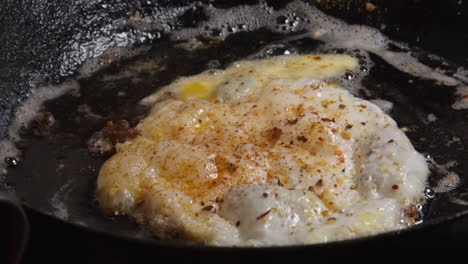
{"type": "Point", "coordinates": [465, 96]}
{"type": "Point", "coordinates": [395, 187]}
{"type": "Point", "coordinates": [311, 188]}
{"type": "Point", "coordinates": [342, 106]}
{"type": "Point", "coordinates": [274, 134]}
{"type": "Point", "coordinates": [321, 139]}
{"type": "Point", "coordinates": [391, 141]}
{"type": "Point", "coordinates": [317, 58]}
{"type": "Point", "coordinates": [348, 127]}
{"type": "Point", "coordinates": [280, 183]}
{"type": "Point", "coordinates": [363, 106]}
{"type": "Point", "coordinates": [263, 215]}
{"type": "Point", "coordinates": [231, 167]}
{"type": "Point", "coordinates": [265, 195]}
{"type": "Point", "coordinates": [353, 187]}
{"type": "Point", "coordinates": [325, 213]}
{"type": "Point", "coordinates": [302, 139]}
{"type": "Point", "coordinates": [319, 183]}
{"type": "Point", "coordinates": [292, 122]}
{"type": "Point", "coordinates": [342, 160]}
{"type": "Point", "coordinates": [328, 120]}
{"type": "Point", "coordinates": [219, 200]}
{"type": "Point", "coordinates": [334, 130]}
{"type": "Point", "coordinates": [238, 223]}
{"type": "Point", "coordinates": [209, 208]}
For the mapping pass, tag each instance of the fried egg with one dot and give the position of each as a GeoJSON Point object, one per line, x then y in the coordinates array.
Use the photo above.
{"type": "Point", "coordinates": [265, 152]}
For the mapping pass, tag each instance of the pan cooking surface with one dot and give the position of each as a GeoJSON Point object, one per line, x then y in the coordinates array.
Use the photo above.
{"type": "Point", "coordinates": [56, 173]}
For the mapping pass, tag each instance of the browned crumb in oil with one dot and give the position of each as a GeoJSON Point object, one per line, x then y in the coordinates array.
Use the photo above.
{"type": "Point", "coordinates": [42, 123]}
{"type": "Point", "coordinates": [370, 7]}
{"type": "Point", "coordinates": [134, 18]}
{"type": "Point", "coordinates": [119, 131]}
{"type": "Point", "coordinates": [104, 141]}
{"type": "Point", "coordinates": [411, 212]}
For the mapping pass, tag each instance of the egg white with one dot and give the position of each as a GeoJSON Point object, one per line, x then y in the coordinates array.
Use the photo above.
{"type": "Point", "coordinates": [265, 152]}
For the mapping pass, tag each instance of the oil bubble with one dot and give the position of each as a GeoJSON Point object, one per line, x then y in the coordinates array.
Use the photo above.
{"type": "Point", "coordinates": [11, 162]}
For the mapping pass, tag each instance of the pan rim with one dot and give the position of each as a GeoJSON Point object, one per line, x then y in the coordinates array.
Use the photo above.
{"type": "Point", "coordinates": [181, 244]}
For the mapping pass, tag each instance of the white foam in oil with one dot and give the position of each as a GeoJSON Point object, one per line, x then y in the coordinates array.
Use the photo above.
{"type": "Point", "coordinates": [26, 113]}
{"type": "Point", "coordinates": [33, 104]}
{"type": "Point", "coordinates": [299, 16]}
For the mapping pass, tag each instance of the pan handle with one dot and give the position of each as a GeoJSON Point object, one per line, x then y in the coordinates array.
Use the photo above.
{"type": "Point", "coordinates": [14, 228]}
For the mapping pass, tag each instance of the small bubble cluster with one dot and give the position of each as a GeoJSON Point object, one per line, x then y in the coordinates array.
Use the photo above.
{"type": "Point", "coordinates": [276, 49]}
{"type": "Point", "coordinates": [290, 22]}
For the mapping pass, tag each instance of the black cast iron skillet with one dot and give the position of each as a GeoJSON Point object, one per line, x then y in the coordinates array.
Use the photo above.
{"type": "Point", "coordinates": [45, 42]}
